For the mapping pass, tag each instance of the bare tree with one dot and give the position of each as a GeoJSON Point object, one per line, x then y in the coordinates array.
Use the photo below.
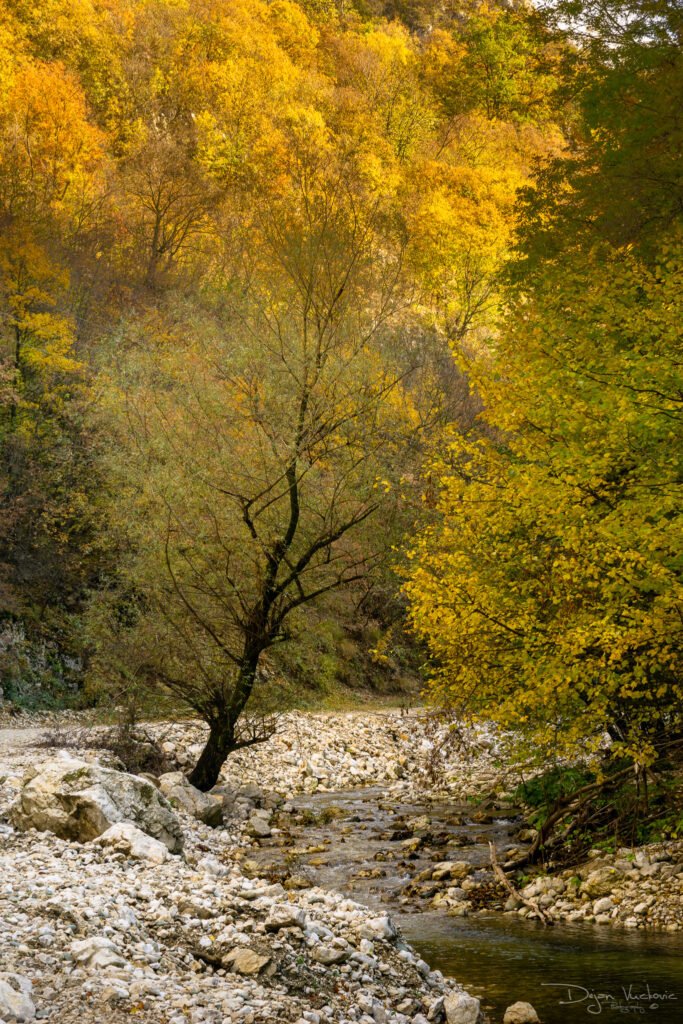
{"type": "Point", "coordinates": [258, 444]}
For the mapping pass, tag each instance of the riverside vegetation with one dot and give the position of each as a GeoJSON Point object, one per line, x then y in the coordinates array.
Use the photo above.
{"type": "Point", "coordinates": [340, 356]}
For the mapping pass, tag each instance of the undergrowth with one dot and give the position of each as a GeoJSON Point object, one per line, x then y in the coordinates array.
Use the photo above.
{"type": "Point", "coordinates": [579, 808]}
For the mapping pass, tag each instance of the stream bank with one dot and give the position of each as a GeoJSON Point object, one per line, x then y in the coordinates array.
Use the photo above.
{"type": "Point", "coordinates": [373, 847]}
{"type": "Point", "coordinates": [383, 840]}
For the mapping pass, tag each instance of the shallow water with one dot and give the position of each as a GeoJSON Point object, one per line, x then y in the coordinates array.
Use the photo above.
{"type": "Point", "coordinates": [570, 972]}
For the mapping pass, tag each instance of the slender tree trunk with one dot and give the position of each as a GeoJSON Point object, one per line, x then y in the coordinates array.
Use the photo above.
{"type": "Point", "coordinates": [219, 745]}
{"type": "Point", "coordinates": [222, 739]}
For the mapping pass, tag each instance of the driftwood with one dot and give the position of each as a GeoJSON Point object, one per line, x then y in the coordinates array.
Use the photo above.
{"type": "Point", "coordinates": [505, 881]}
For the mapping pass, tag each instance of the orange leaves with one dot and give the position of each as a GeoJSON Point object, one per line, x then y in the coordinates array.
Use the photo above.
{"type": "Point", "coordinates": [234, 203]}
{"type": "Point", "coordinates": [48, 147]}
{"type": "Point", "coordinates": [50, 114]}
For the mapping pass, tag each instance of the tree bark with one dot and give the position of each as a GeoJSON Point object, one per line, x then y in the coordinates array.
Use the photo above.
{"type": "Point", "coordinates": [219, 745]}
{"type": "Point", "coordinates": [222, 739]}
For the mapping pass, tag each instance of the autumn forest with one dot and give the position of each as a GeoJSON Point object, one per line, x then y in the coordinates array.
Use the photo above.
{"type": "Point", "coordinates": [341, 349]}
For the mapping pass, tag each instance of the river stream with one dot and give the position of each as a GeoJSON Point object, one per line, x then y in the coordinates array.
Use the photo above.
{"type": "Point", "coordinates": [352, 842]}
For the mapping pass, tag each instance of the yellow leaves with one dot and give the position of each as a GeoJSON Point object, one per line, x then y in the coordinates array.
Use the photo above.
{"type": "Point", "coordinates": [40, 339]}
{"type": "Point", "coordinates": [392, 46]}
{"type": "Point", "coordinates": [554, 567]}
{"type": "Point", "coordinates": [295, 33]}
{"type": "Point", "coordinates": [48, 149]}
{"type": "Point", "coordinates": [380, 91]}
{"type": "Point", "coordinates": [461, 223]}
{"type": "Point", "coordinates": [50, 343]}
{"type": "Point", "coordinates": [309, 134]}
{"type": "Point", "coordinates": [248, 86]}
{"type": "Point", "coordinates": [28, 275]}
{"type": "Point", "coordinates": [443, 54]}
{"type": "Point", "coordinates": [11, 54]}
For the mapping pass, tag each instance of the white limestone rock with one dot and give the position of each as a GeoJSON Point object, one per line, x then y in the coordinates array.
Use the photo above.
{"type": "Point", "coordinates": [96, 952]}
{"type": "Point", "coordinates": [461, 1008]}
{"type": "Point", "coordinates": [127, 838]}
{"type": "Point", "coordinates": [79, 800]}
{"type": "Point", "coordinates": [182, 794]}
{"type": "Point", "coordinates": [16, 1003]}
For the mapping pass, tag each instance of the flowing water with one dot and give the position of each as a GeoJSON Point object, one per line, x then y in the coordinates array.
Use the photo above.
{"type": "Point", "coordinates": [570, 972]}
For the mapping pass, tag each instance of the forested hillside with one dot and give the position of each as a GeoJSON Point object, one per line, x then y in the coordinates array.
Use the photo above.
{"type": "Point", "coordinates": [321, 318]}
{"type": "Point", "coordinates": [238, 240]}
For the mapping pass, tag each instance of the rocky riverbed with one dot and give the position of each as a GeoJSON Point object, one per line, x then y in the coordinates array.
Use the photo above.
{"type": "Point", "coordinates": [247, 923]}
{"type": "Point", "coordinates": [104, 922]}
{"type": "Point", "coordinates": [414, 761]}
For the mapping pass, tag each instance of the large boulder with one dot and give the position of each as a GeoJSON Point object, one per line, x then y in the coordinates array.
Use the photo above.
{"type": "Point", "coordinates": [328, 955]}
{"type": "Point", "coordinates": [15, 998]}
{"type": "Point", "coordinates": [379, 928]}
{"type": "Point", "coordinates": [461, 1008]}
{"type": "Point", "coordinates": [285, 915]}
{"type": "Point", "coordinates": [259, 824]}
{"type": "Point", "coordinates": [182, 794]}
{"type": "Point", "coordinates": [456, 869]}
{"type": "Point", "coordinates": [79, 800]}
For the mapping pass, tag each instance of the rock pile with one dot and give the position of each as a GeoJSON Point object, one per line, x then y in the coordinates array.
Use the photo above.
{"type": "Point", "coordinates": [115, 926]}
{"type": "Point", "coordinates": [631, 888]}
{"type": "Point", "coordinates": [311, 753]}
{"type": "Point", "coordinates": [99, 935]}
{"type": "Point", "coordinates": [80, 800]}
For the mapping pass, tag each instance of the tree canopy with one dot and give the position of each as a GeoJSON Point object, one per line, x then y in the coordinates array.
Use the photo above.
{"type": "Point", "coordinates": [238, 241]}
{"type": "Point", "coordinates": [288, 290]}
{"type": "Point", "coordinates": [548, 588]}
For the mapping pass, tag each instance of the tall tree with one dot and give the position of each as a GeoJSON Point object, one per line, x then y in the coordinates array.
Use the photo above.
{"type": "Point", "coordinates": [549, 589]}
{"type": "Point", "coordinates": [256, 448]}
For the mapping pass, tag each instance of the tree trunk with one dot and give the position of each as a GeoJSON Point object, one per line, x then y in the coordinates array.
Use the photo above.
{"type": "Point", "coordinates": [222, 740]}
{"type": "Point", "coordinates": [220, 743]}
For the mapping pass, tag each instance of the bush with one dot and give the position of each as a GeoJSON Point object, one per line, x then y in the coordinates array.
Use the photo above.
{"type": "Point", "coordinates": [34, 673]}
{"type": "Point", "coordinates": [129, 744]}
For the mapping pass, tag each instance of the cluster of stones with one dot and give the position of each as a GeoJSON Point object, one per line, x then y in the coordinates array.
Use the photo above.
{"type": "Point", "coordinates": [312, 753]}
{"type": "Point", "coordinates": [126, 901]}
{"type": "Point", "coordinates": [450, 886]}
{"type": "Point", "coordinates": [12, 716]}
{"type": "Point", "coordinates": [632, 888]}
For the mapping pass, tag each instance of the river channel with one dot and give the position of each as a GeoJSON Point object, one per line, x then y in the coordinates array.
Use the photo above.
{"type": "Point", "coordinates": [352, 842]}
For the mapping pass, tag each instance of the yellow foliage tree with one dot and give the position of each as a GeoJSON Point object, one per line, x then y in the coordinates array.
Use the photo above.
{"type": "Point", "coordinates": [549, 591]}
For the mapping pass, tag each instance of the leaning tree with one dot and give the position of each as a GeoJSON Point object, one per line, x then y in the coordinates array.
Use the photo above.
{"type": "Point", "coordinates": [255, 438]}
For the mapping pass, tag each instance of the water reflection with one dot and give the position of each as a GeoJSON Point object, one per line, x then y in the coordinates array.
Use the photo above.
{"type": "Point", "coordinates": [570, 973]}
